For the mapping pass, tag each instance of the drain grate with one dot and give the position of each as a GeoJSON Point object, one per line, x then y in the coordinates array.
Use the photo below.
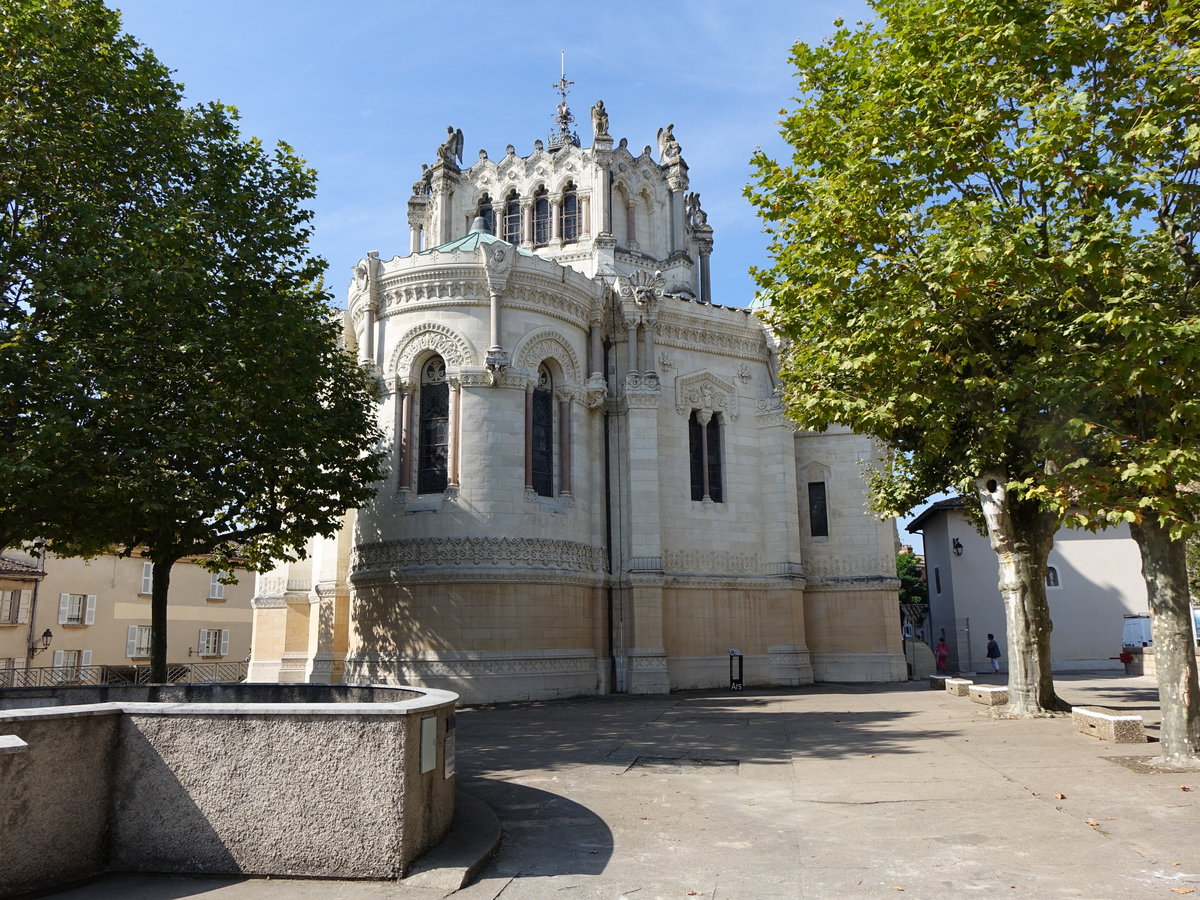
{"type": "Point", "coordinates": [675, 765]}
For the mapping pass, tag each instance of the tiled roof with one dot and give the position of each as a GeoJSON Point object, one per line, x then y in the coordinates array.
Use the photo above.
{"type": "Point", "coordinates": [11, 567]}
{"type": "Point", "coordinates": [933, 509]}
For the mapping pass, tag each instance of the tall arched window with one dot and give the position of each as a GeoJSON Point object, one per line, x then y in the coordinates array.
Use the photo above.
{"type": "Point", "coordinates": [487, 213]}
{"type": "Point", "coordinates": [541, 218]}
{"type": "Point", "coordinates": [542, 425]}
{"type": "Point", "coordinates": [434, 429]}
{"type": "Point", "coordinates": [570, 214]}
{"type": "Point", "coordinates": [512, 218]}
{"type": "Point", "coordinates": [704, 446]}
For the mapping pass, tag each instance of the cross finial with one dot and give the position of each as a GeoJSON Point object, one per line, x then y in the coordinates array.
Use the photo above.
{"type": "Point", "coordinates": [562, 117]}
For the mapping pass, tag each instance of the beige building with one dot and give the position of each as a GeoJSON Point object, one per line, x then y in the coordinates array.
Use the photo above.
{"type": "Point", "coordinates": [97, 614]}
{"type": "Point", "coordinates": [592, 484]}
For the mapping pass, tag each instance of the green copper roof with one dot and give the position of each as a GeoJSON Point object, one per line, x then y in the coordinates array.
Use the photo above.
{"type": "Point", "coordinates": [471, 241]}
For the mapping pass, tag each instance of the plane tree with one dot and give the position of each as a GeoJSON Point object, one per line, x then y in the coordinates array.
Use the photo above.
{"type": "Point", "coordinates": [951, 234]}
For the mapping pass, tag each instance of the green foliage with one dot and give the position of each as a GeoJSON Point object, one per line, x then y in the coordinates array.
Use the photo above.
{"type": "Point", "coordinates": [172, 371]}
{"type": "Point", "coordinates": [984, 246]}
{"type": "Point", "coordinates": [913, 586]}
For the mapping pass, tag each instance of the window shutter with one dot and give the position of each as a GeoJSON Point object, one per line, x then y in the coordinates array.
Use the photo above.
{"type": "Point", "coordinates": [58, 657]}
{"type": "Point", "coordinates": [147, 577]}
{"type": "Point", "coordinates": [224, 641]}
{"type": "Point", "coordinates": [131, 636]}
{"type": "Point", "coordinates": [216, 590]}
{"type": "Point", "coordinates": [85, 658]}
{"type": "Point", "coordinates": [89, 618]}
{"type": "Point", "coordinates": [23, 607]}
{"type": "Point", "coordinates": [202, 649]}
{"type": "Point", "coordinates": [64, 608]}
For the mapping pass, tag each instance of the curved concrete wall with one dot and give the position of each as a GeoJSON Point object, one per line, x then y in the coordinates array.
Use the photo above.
{"type": "Point", "coordinates": [347, 789]}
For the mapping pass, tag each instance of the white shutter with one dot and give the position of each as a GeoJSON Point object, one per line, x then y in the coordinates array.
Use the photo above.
{"type": "Point", "coordinates": [131, 636]}
{"type": "Point", "coordinates": [58, 658]}
{"type": "Point", "coordinates": [216, 590]}
{"type": "Point", "coordinates": [23, 608]}
{"type": "Point", "coordinates": [64, 608]}
{"type": "Point", "coordinates": [89, 617]}
{"type": "Point", "coordinates": [85, 660]}
{"type": "Point", "coordinates": [224, 642]}
{"type": "Point", "coordinates": [202, 649]}
{"type": "Point", "coordinates": [147, 577]}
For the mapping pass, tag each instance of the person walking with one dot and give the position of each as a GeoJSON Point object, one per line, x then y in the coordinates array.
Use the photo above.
{"type": "Point", "coordinates": [993, 653]}
{"type": "Point", "coordinates": [941, 653]}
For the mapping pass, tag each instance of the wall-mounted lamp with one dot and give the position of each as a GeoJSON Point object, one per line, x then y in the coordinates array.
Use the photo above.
{"type": "Point", "coordinates": [957, 546]}
{"type": "Point", "coordinates": [41, 643]}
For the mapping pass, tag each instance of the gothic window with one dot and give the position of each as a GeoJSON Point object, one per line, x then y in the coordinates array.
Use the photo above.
{"type": "Point", "coordinates": [704, 446]}
{"type": "Point", "coordinates": [818, 512]}
{"type": "Point", "coordinates": [541, 218]}
{"type": "Point", "coordinates": [434, 428]}
{"type": "Point", "coordinates": [487, 213]}
{"type": "Point", "coordinates": [512, 218]}
{"type": "Point", "coordinates": [570, 214]}
{"type": "Point", "coordinates": [543, 434]}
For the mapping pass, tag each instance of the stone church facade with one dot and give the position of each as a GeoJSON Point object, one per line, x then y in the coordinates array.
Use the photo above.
{"type": "Point", "coordinates": [592, 486]}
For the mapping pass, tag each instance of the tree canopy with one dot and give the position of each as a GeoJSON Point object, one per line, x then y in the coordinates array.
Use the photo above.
{"type": "Point", "coordinates": [174, 378]}
{"type": "Point", "coordinates": [978, 204]}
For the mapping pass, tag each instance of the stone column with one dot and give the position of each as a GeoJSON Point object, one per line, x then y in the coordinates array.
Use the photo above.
{"type": "Point", "coordinates": [529, 439]}
{"type": "Point", "coordinates": [630, 224]}
{"type": "Point", "coordinates": [585, 215]}
{"type": "Point", "coordinates": [632, 340]}
{"type": "Point", "coordinates": [595, 352]}
{"type": "Point", "coordinates": [649, 365]}
{"type": "Point", "coordinates": [404, 439]}
{"type": "Point", "coordinates": [556, 219]}
{"type": "Point", "coordinates": [455, 429]}
{"type": "Point", "coordinates": [704, 416]}
{"type": "Point", "coordinates": [704, 238]}
{"type": "Point", "coordinates": [564, 446]}
{"type": "Point", "coordinates": [527, 223]}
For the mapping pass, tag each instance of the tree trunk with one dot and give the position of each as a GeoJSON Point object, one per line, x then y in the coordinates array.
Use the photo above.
{"type": "Point", "coordinates": [1022, 533]}
{"type": "Point", "coordinates": [1164, 568]}
{"type": "Point", "coordinates": [158, 619]}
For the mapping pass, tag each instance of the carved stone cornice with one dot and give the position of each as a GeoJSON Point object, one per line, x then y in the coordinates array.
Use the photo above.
{"type": "Point", "coordinates": [771, 413]}
{"type": "Point", "coordinates": [642, 390]}
{"type": "Point", "coordinates": [723, 342]}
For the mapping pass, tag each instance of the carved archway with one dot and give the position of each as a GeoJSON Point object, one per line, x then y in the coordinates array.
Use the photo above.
{"type": "Point", "coordinates": [548, 344]}
{"type": "Point", "coordinates": [451, 346]}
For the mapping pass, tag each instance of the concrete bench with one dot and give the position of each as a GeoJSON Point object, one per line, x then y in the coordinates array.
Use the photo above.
{"type": "Point", "coordinates": [1107, 725]}
{"type": "Point", "coordinates": [959, 687]}
{"type": "Point", "coordinates": [938, 682]}
{"type": "Point", "coordinates": [989, 694]}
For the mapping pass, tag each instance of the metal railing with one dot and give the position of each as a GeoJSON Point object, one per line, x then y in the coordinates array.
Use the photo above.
{"type": "Point", "coordinates": [177, 673]}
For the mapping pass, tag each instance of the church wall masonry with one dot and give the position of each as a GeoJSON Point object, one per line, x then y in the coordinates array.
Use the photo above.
{"type": "Point", "coordinates": [591, 485]}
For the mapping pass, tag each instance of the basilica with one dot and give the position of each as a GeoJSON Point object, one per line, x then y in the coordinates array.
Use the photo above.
{"type": "Point", "coordinates": [592, 486]}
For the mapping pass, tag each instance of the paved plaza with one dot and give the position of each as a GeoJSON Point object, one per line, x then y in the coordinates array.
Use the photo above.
{"type": "Point", "coordinates": [829, 791]}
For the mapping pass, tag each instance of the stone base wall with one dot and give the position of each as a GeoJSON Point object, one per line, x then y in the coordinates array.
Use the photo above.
{"type": "Point", "coordinates": [225, 788]}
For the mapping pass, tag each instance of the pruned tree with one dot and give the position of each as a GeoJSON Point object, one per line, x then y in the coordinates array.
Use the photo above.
{"type": "Point", "coordinates": [201, 402]}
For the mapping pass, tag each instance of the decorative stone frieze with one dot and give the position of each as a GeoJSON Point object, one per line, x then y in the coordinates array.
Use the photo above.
{"type": "Point", "coordinates": [478, 551]}
{"type": "Point", "coordinates": [707, 561]}
{"type": "Point", "coordinates": [707, 392]}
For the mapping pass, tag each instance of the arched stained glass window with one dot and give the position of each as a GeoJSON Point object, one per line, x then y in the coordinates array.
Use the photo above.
{"type": "Point", "coordinates": [512, 218]}
{"type": "Point", "coordinates": [434, 429]}
{"type": "Point", "coordinates": [541, 218]}
{"type": "Point", "coordinates": [570, 214]}
{"type": "Point", "coordinates": [543, 433]}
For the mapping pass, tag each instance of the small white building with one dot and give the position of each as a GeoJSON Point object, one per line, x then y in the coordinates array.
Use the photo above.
{"type": "Point", "coordinates": [1094, 580]}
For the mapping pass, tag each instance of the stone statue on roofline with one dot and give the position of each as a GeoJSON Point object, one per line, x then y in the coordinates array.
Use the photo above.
{"type": "Point", "coordinates": [668, 148]}
{"type": "Point", "coordinates": [599, 119]}
{"type": "Point", "coordinates": [451, 150]}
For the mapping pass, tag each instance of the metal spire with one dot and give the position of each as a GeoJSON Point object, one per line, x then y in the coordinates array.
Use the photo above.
{"type": "Point", "coordinates": [563, 119]}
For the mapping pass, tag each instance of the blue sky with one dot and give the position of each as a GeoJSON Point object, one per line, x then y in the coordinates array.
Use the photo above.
{"type": "Point", "coordinates": [364, 91]}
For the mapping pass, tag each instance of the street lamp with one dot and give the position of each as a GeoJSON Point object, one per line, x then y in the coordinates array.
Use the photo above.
{"type": "Point", "coordinates": [41, 643]}
{"type": "Point", "coordinates": [957, 546]}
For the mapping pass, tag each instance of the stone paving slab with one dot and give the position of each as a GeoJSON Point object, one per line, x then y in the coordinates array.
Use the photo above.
{"type": "Point", "coordinates": [848, 791]}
